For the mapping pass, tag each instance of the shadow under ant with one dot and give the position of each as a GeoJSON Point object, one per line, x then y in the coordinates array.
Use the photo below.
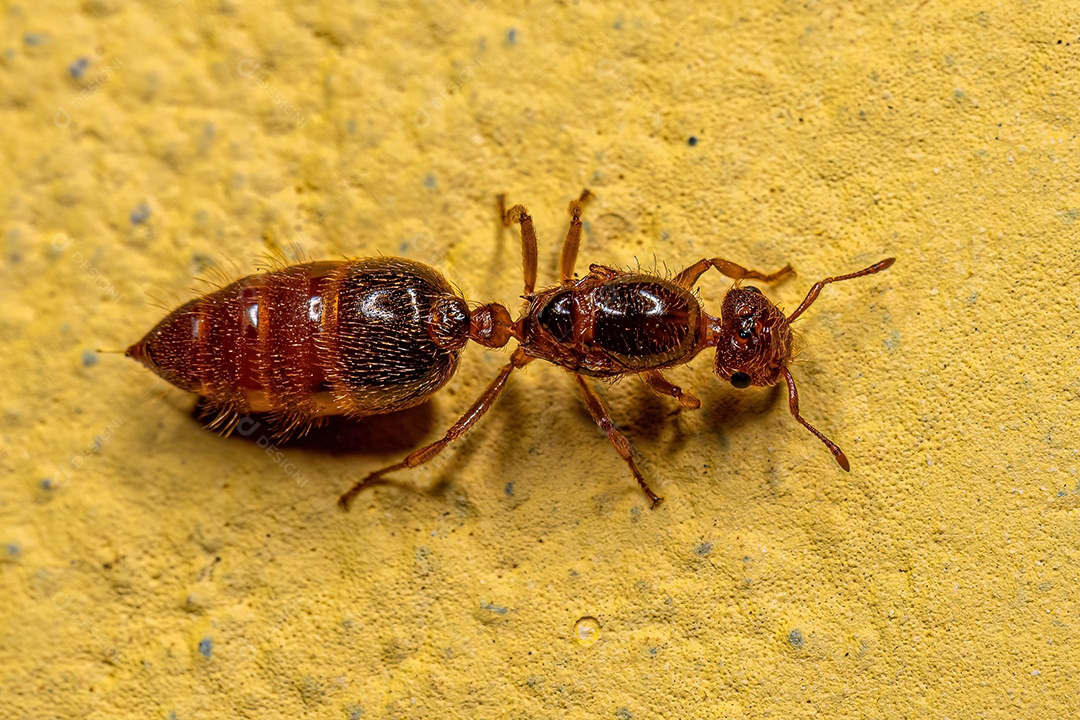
{"type": "Point", "coordinates": [646, 417]}
{"type": "Point", "coordinates": [396, 432]}
{"type": "Point", "coordinates": [726, 411]}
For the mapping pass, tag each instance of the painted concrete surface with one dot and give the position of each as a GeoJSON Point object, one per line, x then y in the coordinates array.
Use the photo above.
{"type": "Point", "coordinates": [152, 569]}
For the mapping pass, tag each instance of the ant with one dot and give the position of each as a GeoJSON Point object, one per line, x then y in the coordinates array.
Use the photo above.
{"type": "Point", "coordinates": [371, 336]}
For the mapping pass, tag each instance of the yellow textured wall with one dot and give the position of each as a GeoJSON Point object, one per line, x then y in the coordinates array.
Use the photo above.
{"type": "Point", "coordinates": [154, 570]}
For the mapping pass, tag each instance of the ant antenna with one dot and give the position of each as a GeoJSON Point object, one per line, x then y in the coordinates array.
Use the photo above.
{"type": "Point", "coordinates": [816, 290]}
{"type": "Point", "coordinates": [793, 393]}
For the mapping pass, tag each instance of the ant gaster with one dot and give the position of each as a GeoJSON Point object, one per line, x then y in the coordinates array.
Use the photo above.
{"type": "Point", "coordinates": [371, 336]}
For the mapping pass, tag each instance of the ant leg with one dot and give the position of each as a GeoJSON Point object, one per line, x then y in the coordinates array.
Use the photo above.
{"type": "Point", "coordinates": [660, 385]}
{"type": "Point", "coordinates": [793, 403]}
{"type": "Point", "coordinates": [622, 446]}
{"type": "Point", "coordinates": [816, 289]}
{"type": "Point", "coordinates": [518, 214]}
{"type": "Point", "coordinates": [573, 239]}
{"type": "Point", "coordinates": [462, 426]}
{"type": "Point", "coordinates": [689, 276]}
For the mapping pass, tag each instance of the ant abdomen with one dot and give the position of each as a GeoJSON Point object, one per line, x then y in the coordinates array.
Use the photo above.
{"type": "Point", "coordinates": [357, 337]}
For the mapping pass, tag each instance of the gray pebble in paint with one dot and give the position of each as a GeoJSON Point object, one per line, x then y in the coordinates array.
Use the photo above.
{"type": "Point", "coordinates": [140, 214]}
{"type": "Point", "coordinates": [78, 68]}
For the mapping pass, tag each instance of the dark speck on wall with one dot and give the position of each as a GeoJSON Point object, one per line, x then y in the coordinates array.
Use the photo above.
{"type": "Point", "coordinates": [692, 141]}
{"type": "Point", "coordinates": [795, 638]}
{"type": "Point", "coordinates": [429, 181]}
{"type": "Point", "coordinates": [140, 214]}
{"type": "Point", "coordinates": [355, 712]}
{"type": "Point", "coordinates": [624, 714]}
{"type": "Point", "coordinates": [35, 39]}
{"type": "Point", "coordinates": [200, 263]}
{"type": "Point", "coordinates": [13, 549]}
{"type": "Point", "coordinates": [511, 36]}
{"type": "Point", "coordinates": [77, 68]}
{"type": "Point", "coordinates": [89, 357]}
{"type": "Point", "coordinates": [206, 140]}
{"type": "Point", "coordinates": [509, 489]}
{"type": "Point", "coordinates": [703, 549]}
{"type": "Point", "coordinates": [206, 646]}
{"type": "Point", "coordinates": [14, 245]}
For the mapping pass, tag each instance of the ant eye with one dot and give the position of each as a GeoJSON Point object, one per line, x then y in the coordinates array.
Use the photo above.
{"type": "Point", "coordinates": [752, 289]}
{"type": "Point", "coordinates": [740, 380]}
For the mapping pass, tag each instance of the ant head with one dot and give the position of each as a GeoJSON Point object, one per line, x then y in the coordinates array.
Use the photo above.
{"type": "Point", "coordinates": [753, 340]}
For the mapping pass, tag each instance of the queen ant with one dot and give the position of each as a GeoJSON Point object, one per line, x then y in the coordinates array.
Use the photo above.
{"type": "Point", "coordinates": [371, 336]}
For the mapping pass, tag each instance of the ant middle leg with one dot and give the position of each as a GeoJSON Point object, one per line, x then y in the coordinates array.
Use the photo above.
{"type": "Point", "coordinates": [690, 275]}
{"type": "Point", "coordinates": [660, 385]}
{"type": "Point", "coordinates": [518, 214]}
{"type": "Point", "coordinates": [573, 239]}
{"type": "Point", "coordinates": [462, 426]}
{"type": "Point", "coordinates": [622, 446]}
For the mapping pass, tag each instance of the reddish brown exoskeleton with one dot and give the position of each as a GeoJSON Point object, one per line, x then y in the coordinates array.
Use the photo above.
{"type": "Point", "coordinates": [364, 337]}
{"type": "Point", "coordinates": [350, 337]}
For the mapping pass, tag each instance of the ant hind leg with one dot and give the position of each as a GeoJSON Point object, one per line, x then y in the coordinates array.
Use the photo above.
{"type": "Point", "coordinates": [519, 215]}
{"type": "Point", "coordinates": [462, 426]}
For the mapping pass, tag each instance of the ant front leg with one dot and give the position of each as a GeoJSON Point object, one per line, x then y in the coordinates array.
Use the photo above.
{"type": "Point", "coordinates": [462, 426]}
{"type": "Point", "coordinates": [661, 386]}
{"type": "Point", "coordinates": [690, 275]}
{"type": "Point", "coordinates": [622, 446]}
{"type": "Point", "coordinates": [573, 239]}
{"type": "Point", "coordinates": [518, 214]}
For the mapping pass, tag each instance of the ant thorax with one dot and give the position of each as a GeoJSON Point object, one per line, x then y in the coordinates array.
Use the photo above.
{"type": "Point", "coordinates": [611, 323]}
